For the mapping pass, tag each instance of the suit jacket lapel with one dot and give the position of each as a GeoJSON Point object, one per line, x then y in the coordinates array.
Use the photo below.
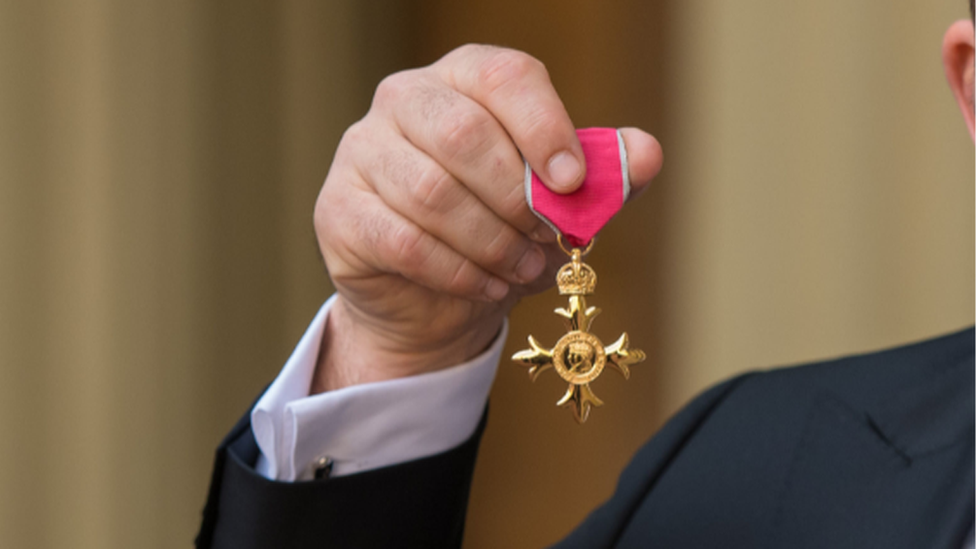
{"type": "Point", "coordinates": [896, 474]}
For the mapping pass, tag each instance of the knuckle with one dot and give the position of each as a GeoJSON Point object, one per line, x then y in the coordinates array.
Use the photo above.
{"type": "Point", "coordinates": [541, 125]}
{"type": "Point", "coordinates": [354, 136]}
{"type": "Point", "coordinates": [499, 253]}
{"type": "Point", "coordinates": [356, 145]}
{"type": "Point", "coordinates": [468, 50]}
{"type": "Point", "coordinates": [331, 230]}
{"type": "Point", "coordinates": [513, 206]}
{"type": "Point", "coordinates": [327, 208]}
{"type": "Point", "coordinates": [357, 131]}
{"type": "Point", "coordinates": [321, 221]}
{"type": "Point", "coordinates": [392, 88]}
{"type": "Point", "coordinates": [464, 54]}
{"type": "Point", "coordinates": [412, 249]}
{"type": "Point", "coordinates": [505, 66]}
{"type": "Point", "coordinates": [464, 279]}
{"type": "Point", "coordinates": [462, 133]}
{"type": "Point", "coordinates": [432, 190]}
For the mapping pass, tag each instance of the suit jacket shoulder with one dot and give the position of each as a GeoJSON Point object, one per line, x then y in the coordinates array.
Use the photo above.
{"type": "Point", "coordinates": [873, 450]}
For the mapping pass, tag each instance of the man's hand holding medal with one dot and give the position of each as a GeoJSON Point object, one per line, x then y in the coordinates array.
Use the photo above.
{"type": "Point", "coordinates": [423, 219]}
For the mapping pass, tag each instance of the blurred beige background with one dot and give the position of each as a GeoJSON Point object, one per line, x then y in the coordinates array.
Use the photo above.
{"type": "Point", "coordinates": [159, 161]}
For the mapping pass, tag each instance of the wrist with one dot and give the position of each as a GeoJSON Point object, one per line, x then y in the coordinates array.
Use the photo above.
{"type": "Point", "coordinates": [355, 350]}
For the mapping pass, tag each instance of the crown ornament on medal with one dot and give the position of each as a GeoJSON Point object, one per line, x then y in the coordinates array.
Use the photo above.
{"type": "Point", "coordinates": [579, 356]}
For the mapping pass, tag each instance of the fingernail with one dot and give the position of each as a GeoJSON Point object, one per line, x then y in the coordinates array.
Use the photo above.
{"type": "Point", "coordinates": [564, 169]}
{"type": "Point", "coordinates": [496, 290]}
{"type": "Point", "coordinates": [531, 265]}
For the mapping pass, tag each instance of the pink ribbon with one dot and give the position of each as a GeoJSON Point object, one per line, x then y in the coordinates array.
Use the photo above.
{"type": "Point", "coordinates": [580, 215]}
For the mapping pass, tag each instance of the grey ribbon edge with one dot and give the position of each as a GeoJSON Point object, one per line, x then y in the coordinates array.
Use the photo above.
{"type": "Point", "coordinates": [528, 198]}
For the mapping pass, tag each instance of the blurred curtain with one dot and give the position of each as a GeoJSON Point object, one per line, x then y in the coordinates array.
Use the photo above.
{"type": "Point", "coordinates": [159, 162]}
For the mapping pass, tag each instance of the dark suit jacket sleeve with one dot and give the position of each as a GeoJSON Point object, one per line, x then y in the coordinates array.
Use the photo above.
{"type": "Point", "coordinates": [421, 503]}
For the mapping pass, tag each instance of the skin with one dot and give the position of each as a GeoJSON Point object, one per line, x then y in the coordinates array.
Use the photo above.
{"type": "Point", "coordinates": [957, 60]}
{"type": "Point", "coordinates": [422, 219]}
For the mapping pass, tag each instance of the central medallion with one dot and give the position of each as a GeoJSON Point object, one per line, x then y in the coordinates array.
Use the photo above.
{"type": "Point", "coordinates": [579, 357]}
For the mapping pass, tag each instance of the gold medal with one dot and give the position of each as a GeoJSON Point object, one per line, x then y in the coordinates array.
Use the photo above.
{"type": "Point", "coordinates": [579, 357]}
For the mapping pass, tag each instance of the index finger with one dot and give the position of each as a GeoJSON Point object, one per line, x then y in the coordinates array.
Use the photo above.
{"type": "Point", "coordinates": [516, 90]}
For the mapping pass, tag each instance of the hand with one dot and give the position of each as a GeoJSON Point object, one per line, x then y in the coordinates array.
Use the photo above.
{"type": "Point", "coordinates": [422, 219]}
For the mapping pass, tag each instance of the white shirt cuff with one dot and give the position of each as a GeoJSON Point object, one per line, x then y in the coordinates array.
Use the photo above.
{"type": "Point", "coordinates": [366, 426]}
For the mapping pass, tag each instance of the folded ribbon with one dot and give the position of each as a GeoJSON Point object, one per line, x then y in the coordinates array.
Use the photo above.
{"type": "Point", "coordinates": [580, 215]}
